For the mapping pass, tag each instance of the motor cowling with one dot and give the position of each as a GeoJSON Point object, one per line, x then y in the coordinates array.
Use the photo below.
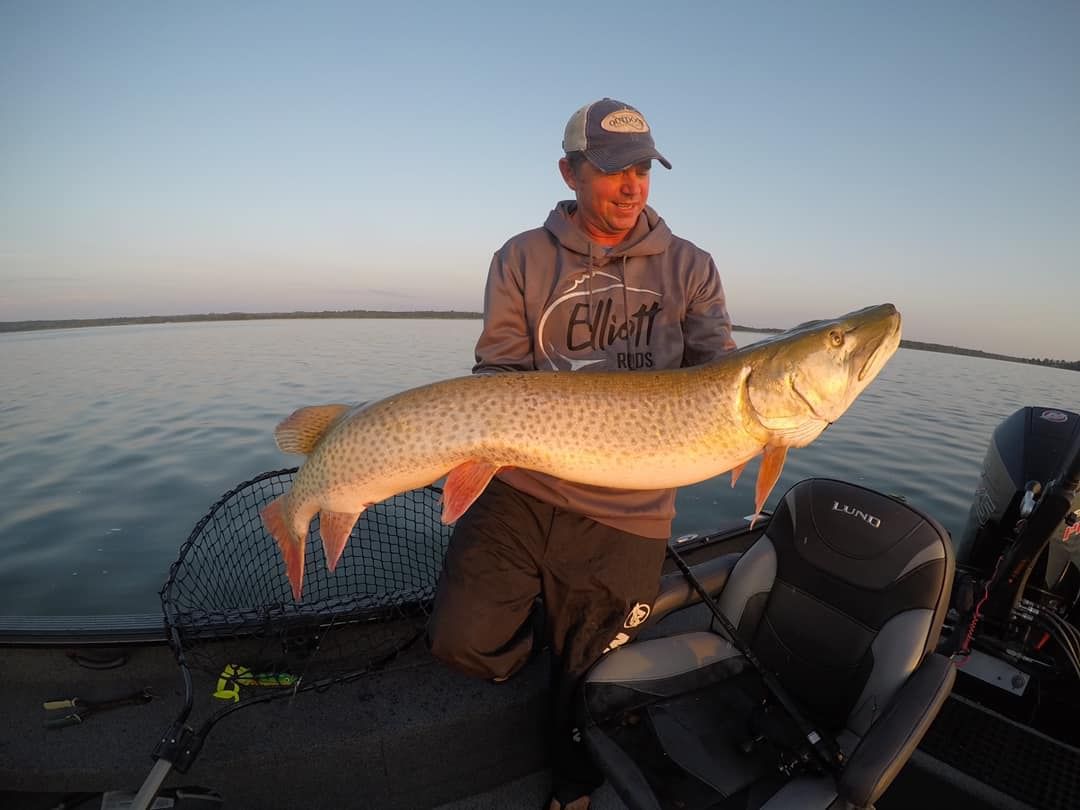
{"type": "Point", "coordinates": [1027, 451]}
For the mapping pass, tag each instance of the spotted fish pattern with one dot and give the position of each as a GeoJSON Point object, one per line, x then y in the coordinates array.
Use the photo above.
{"type": "Point", "coordinates": [640, 430]}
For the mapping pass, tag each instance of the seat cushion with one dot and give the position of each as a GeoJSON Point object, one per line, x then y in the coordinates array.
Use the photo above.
{"type": "Point", "coordinates": [849, 564]}
{"type": "Point", "coordinates": [841, 598]}
{"type": "Point", "coordinates": [645, 671]}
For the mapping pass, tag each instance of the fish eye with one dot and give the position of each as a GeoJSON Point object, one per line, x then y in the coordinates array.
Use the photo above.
{"type": "Point", "coordinates": [836, 338]}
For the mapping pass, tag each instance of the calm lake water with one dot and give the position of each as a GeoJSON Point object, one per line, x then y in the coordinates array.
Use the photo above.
{"type": "Point", "coordinates": [114, 441]}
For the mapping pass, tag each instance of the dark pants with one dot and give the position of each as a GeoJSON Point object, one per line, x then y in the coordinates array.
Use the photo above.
{"type": "Point", "coordinates": [597, 585]}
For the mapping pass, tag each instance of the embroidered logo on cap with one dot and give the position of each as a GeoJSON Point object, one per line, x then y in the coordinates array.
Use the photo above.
{"type": "Point", "coordinates": [625, 120]}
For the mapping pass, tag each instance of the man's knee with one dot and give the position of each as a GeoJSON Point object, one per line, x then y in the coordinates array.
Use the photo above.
{"type": "Point", "coordinates": [446, 641]}
{"type": "Point", "coordinates": [458, 646]}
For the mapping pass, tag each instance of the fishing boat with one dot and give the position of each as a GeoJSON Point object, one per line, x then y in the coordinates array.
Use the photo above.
{"type": "Point", "coordinates": [236, 696]}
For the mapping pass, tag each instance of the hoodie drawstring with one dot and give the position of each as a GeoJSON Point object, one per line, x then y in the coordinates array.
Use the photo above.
{"type": "Point", "coordinates": [626, 314]}
{"type": "Point", "coordinates": [626, 304]}
{"type": "Point", "coordinates": [588, 284]}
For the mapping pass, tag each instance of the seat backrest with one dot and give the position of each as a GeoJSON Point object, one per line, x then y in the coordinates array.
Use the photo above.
{"type": "Point", "coordinates": [842, 597]}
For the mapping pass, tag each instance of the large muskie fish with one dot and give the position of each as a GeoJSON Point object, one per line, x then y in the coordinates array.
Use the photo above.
{"type": "Point", "coordinates": [640, 430]}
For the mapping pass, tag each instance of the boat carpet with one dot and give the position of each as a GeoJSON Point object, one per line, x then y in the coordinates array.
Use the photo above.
{"type": "Point", "coordinates": [1006, 755]}
{"type": "Point", "coordinates": [411, 735]}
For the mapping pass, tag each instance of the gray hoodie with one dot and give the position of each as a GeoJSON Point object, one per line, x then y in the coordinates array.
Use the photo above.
{"type": "Point", "coordinates": [555, 300]}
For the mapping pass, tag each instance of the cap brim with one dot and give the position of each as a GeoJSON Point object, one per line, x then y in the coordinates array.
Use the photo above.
{"type": "Point", "coordinates": [610, 160]}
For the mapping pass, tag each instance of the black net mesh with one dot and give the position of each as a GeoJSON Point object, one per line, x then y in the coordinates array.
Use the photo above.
{"type": "Point", "coordinates": [229, 608]}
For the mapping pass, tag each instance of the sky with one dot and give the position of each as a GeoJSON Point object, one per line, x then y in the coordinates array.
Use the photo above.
{"type": "Point", "coordinates": [171, 158]}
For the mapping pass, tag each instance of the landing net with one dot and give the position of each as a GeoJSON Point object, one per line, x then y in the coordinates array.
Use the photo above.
{"type": "Point", "coordinates": [229, 610]}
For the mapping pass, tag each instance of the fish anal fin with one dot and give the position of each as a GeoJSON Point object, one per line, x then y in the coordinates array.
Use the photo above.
{"type": "Point", "coordinates": [772, 464]}
{"type": "Point", "coordinates": [736, 472]}
{"type": "Point", "coordinates": [292, 547]}
{"type": "Point", "coordinates": [301, 430]}
{"type": "Point", "coordinates": [335, 528]}
{"type": "Point", "coordinates": [463, 486]}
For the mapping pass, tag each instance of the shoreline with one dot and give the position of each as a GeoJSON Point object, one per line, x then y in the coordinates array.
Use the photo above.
{"type": "Point", "coordinates": [9, 327]}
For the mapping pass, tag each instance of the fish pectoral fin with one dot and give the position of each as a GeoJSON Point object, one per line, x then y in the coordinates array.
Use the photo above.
{"type": "Point", "coordinates": [463, 486]}
{"type": "Point", "coordinates": [301, 430]}
{"type": "Point", "coordinates": [292, 547]}
{"type": "Point", "coordinates": [335, 528]}
{"type": "Point", "coordinates": [772, 464]}
{"type": "Point", "coordinates": [736, 472]}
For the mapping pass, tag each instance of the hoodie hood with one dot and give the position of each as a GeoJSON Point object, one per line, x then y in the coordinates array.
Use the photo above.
{"type": "Point", "coordinates": [651, 235]}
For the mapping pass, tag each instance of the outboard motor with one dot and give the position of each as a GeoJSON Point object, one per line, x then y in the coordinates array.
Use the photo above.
{"type": "Point", "coordinates": [1013, 627]}
{"type": "Point", "coordinates": [1016, 603]}
{"type": "Point", "coordinates": [1028, 451]}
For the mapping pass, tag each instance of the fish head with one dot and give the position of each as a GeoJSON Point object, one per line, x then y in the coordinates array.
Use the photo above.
{"type": "Point", "coordinates": [812, 373]}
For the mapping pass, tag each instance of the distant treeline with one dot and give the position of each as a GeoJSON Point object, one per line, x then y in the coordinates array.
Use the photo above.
{"type": "Point", "coordinates": [944, 349]}
{"type": "Point", "coordinates": [27, 326]}
{"type": "Point", "coordinates": [1036, 361]}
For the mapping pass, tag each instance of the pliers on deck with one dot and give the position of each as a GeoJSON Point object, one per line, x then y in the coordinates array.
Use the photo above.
{"type": "Point", "coordinates": [85, 708]}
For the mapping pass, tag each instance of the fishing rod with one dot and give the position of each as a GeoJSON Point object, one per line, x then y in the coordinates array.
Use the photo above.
{"type": "Point", "coordinates": [821, 743]}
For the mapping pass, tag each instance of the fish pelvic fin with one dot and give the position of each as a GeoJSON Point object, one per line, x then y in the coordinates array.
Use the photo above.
{"type": "Point", "coordinates": [772, 464]}
{"type": "Point", "coordinates": [301, 430]}
{"type": "Point", "coordinates": [335, 528]}
{"type": "Point", "coordinates": [276, 519]}
{"type": "Point", "coordinates": [463, 486]}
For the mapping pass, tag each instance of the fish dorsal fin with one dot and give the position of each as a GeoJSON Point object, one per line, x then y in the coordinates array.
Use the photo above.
{"type": "Point", "coordinates": [301, 430]}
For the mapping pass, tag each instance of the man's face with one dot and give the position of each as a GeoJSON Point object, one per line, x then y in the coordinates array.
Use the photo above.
{"type": "Point", "coordinates": [608, 204]}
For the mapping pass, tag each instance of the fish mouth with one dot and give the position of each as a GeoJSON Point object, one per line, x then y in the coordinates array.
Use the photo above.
{"type": "Point", "coordinates": [886, 344]}
{"type": "Point", "coordinates": [796, 405]}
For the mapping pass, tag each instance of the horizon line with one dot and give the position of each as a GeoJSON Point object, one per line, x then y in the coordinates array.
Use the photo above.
{"type": "Point", "coordinates": [41, 324]}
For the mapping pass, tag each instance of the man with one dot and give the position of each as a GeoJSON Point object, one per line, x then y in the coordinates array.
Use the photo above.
{"type": "Point", "coordinates": [602, 285]}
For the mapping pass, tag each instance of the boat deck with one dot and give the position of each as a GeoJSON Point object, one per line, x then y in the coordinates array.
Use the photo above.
{"type": "Point", "coordinates": [413, 735]}
{"type": "Point", "coordinates": [410, 735]}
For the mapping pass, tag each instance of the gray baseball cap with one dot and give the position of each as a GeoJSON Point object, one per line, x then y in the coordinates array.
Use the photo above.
{"type": "Point", "coordinates": [613, 135]}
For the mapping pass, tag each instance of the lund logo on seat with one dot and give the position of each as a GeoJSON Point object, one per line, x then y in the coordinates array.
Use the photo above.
{"type": "Point", "coordinates": [859, 513]}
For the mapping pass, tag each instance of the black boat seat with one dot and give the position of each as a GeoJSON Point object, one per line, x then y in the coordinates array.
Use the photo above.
{"type": "Point", "coordinates": [842, 598]}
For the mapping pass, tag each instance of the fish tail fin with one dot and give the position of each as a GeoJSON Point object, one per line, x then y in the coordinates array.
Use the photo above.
{"type": "Point", "coordinates": [275, 517]}
{"type": "Point", "coordinates": [301, 430]}
{"type": "Point", "coordinates": [335, 528]}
